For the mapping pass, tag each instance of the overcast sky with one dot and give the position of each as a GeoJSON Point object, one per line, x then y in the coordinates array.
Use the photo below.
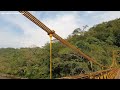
{"type": "Point", "coordinates": [17, 31]}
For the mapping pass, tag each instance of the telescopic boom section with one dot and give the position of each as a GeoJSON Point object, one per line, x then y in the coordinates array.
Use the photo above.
{"type": "Point", "coordinates": [49, 31]}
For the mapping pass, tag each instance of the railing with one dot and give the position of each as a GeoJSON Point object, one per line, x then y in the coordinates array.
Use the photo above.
{"type": "Point", "coordinates": [103, 74]}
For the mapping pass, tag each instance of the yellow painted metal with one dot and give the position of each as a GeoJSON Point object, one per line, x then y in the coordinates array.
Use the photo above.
{"type": "Point", "coordinates": [50, 56]}
{"type": "Point", "coordinates": [105, 76]}
{"type": "Point", "coordinates": [90, 76]}
{"type": "Point", "coordinates": [101, 77]}
{"type": "Point", "coordinates": [109, 75]}
{"type": "Point", "coordinates": [97, 77]}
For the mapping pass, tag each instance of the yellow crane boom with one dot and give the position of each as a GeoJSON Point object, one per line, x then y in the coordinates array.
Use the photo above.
{"type": "Point", "coordinates": [49, 31]}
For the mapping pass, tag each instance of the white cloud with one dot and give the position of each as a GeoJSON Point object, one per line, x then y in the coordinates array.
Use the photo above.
{"type": "Point", "coordinates": [32, 34]}
{"type": "Point", "coordinates": [7, 39]}
{"type": "Point", "coordinates": [106, 16]}
{"type": "Point", "coordinates": [62, 22]}
{"type": "Point", "coordinates": [90, 12]}
{"type": "Point", "coordinates": [97, 17]}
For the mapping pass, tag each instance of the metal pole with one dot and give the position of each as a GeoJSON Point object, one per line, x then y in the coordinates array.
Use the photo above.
{"type": "Point", "coordinates": [50, 56]}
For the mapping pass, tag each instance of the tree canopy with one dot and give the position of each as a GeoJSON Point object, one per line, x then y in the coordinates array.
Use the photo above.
{"type": "Point", "coordinates": [98, 42]}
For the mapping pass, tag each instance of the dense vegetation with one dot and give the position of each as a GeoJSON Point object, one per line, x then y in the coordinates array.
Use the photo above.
{"type": "Point", "coordinates": [98, 43]}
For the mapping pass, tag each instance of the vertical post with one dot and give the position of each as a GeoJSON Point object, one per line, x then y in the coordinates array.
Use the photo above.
{"type": "Point", "coordinates": [50, 56]}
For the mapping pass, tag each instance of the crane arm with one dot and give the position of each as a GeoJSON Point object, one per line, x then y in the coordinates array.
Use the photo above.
{"type": "Point", "coordinates": [49, 31]}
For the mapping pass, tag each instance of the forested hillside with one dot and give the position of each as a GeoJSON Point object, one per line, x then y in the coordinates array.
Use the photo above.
{"type": "Point", "coordinates": [98, 42]}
